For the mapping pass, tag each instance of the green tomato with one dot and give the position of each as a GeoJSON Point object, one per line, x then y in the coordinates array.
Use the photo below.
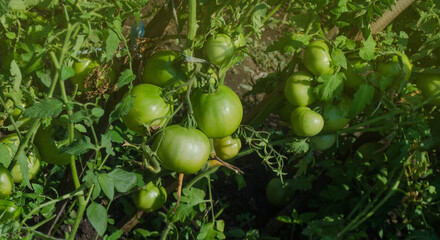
{"type": "Point", "coordinates": [218, 114]}
{"type": "Point", "coordinates": [355, 68]}
{"type": "Point", "coordinates": [306, 122]}
{"type": "Point", "coordinates": [219, 49]}
{"type": "Point", "coordinates": [50, 139]}
{"type": "Point", "coordinates": [429, 85]}
{"type": "Point", "coordinates": [9, 211]}
{"type": "Point", "coordinates": [335, 115]}
{"type": "Point", "coordinates": [162, 69]}
{"type": "Point", "coordinates": [323, 142]}
{"type": "Point", "coordinates": [150, 197]}
{"type": "Point", "coordinates": [227, 147]}
{"type": "Point", "coordinates": [277, 193]}
{"type": "Point", "coordinates": [317, 58]}
{"type": "Point", "coordinates": [6, 182]}
{"type": "Point", "coordinates": [391, 67]}
{"type": "Point", "coordinates": [12, 142]}
{"type": "Point", "coordinates": [181, 149]}
{"type": "Point", "coordinates": [286, 111]}
{"type": "Point", "coordinates": [149, 108]}
{"type": "Point", "coordinates": [84, 68]}
{"type": "Point", "coordinates": [369, 152]}
{"type": "Point", "coordinates": [298, 90]}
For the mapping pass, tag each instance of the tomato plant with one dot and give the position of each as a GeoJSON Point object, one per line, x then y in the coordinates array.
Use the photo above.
{"type": "Point", "coordinates": [162, 69]}
{"type": "Point", "coordinates": [227, 147]}
{"type": "Point", "coordinates": [429, 85]}
{"type": "Point", "coordinates": [84, 67]}
{"type": "Point", "coordinates": [306, 122]}
{"type": "Point", "coordinates": [398, 67]}
{"type": "Point", "coordinates": [149, 108]}
{"type": "Point", "coordinates": [219, 48]}
{"type": "Point", "coordinates": [323, 142]}
{"type": "Point", "coordinates": [278, 193]}
{"type": "Point", "coordinates": [218, 114]}
{"type": "Point", "coordinates": [298, 90]}
{"type": "Point", "coordinates": [317, 58]}
{"type": "Point", "coordinates": [6, 183]}
{"type": "Point", "coordinates": [182, 150]}
{"type": "Point", "coordinates": [9, 211]}
{"type": "Point", "coordinates": [150, 197]}
{"type": "Point", "coordinates": [49, 140]}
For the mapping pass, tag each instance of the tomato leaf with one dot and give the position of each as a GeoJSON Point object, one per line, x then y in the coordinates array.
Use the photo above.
{"type": "Point", "coordinates": [24, 167]}
{"type": "Point", "coordinates": [5, 155]}
{"type": "Point", "coordinates": [188, 201]}
{"type": "Point", "coordinates": [78, 147]}
{"type": "Point", "coordinates": [77, 117]}
{"type": "Point", "coordinates": [122, 108]}
{"type": "Point", "coordinates": [368, 52]}
{"type": "Point", "coordinates": [123, 180]}
{"type": "Point", "coordinates": [50, 107]}
{"type": "Point", "coordinates": [126, 77]}
{"type": "Point", "coordinates": [107, 185]}
{"type": "Point", "coordinates": [297, 147]}
{"type": "Point", "coordinates": [44, 78]}
{"type": "Point", "coordinates": [111, 43]}
{"type": "Point", "coordinates": [67, 72]}
{"type": "Point", "coordinates": [97, 215]}
{"type": "Point", "coordinates": [362, 97]}
{"type": "Point", "coordinates": [106, 142]}
{"type": "Point", "coordinates": [208, 231]}
{"type": "Point", "coordinates": [330, 87]}
{"type": "Point", "coordinates": [16, 75]}
{"type": "Point", "coordinates": [338, 58]}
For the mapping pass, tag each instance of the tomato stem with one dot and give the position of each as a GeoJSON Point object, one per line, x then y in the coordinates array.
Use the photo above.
{"type": "Point", "coordinates": [179, 192]}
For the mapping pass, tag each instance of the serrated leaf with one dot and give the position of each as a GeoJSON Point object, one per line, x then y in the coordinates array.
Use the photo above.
{"type": "Point", "coordinates": [107, 185]}
{"type": "Point", "coordinates": [78, 147]}
{"type": "Point", "coordinates": [50, 107]}
{"type": "Point", "coordinates": [123, 180]}
{"type": "Point", "coordinates": [16, 75]}
{"type": "Point", "coordinates": [331, 86]}
{"type": "Point", "coordinates": [368, 52]}
{"type": "Point", "coordinates": [97, 112]}
{"type": "Point", "coordinates": [111, 43]}
{"type": "Point", "coordinates": [77, 117]}
{"type": "Point", "coordinates": [97, 216]}
{"type": "Point", "coordinates": [5, 155]}
{"type": "Point", "coordinates": [22, 161]}
{"type": "Point", "coordinates": [107, 143]}
{"type": "Point", "coordinates": [361, 99]}
{"type": "Point", "coordinates": [188, 201]}
{"type": "Point", "coordinates": [338, 58]}
{"type": "Point", "coordinates": [67, 72]}
{"type": "Point", "coordinates": [96, 191]}
{"type": "Point", "coordinates": [302, 167]}
{"type": "Point", "coordinates": [297, 147]}
{"type": "Point", "coordinates": [122, 108]}
{"type": "Point", "coordinates": [126, 77]}
{"type": "Point", "coordinates": [45, 78]}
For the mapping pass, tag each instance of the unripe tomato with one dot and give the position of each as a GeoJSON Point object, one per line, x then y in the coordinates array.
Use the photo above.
{"type": "Point", "coordinates": [277, 193]}
{"type": "Point", "coordinates": [6, 183]}
{"type": "Point", "coordinates": [317, 58]}
{"type": "Point", "coordinates": [335, 115]}
{"type": "Point", "coordinates": [162, 69]}
{"type": "Point", "coordinates": [12, 142]}
{"type": "Point", "coordinates": [429, 85]}
{"type": "Point", "coordinates": [9, 211]}
{"type": "Point", "coordinates": [219, 48]}
{"type": "Point", "coordinates": [150, 197]}
{"type": "Point", "coordinates": [306, 122]}
{"type": "Point", "coordinates": [84, 68]}
{"type": "Point", "coordinates": [369, 152]}
{"type": "Point", "coordinates": [323, 142]}
{"type": "Point", "coordinates": [227, 147]}
{"type": "Point", "coordinates": [393, 68]}
{"type": "Point", "coordinates": [182, 150]}
{"type": "Point", "coordinates": [149, 108]}
{"type": "Point", "coordinates": [355, 67]}
{"type": "Point", "coordinates": [218, 114]}
{"type": "Point", "coordinates": [298, 90]}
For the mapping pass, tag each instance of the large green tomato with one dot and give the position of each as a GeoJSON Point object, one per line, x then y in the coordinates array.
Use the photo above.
{"type": "Point", "coordinates": [82, 70]}
{"type": "Point", "coordinates": [6, 183]}
{"type": "Point", "coordinates": [12, 142]}
{"type": "Point", "coordinates": [9, 211]}
{"type": "Point", "coordinates": [219, 48]}
{"type": "Point", "coordinates": [317, 58]}
{"type": "Point", "coordinates": [335, 115]}
{"type": "Point", "coordinates": [306, 122]}
{"type": "Point", "coordinates": [227, 147]}
{"type": "Point", "coordinates": [429, 85]}
{"type": "Point", "coordinates": [323, 142]}
{"type": "Point", "coordinates": [49, 140]}
{"type": "Point", "coordinates": [218, 114]}
{"type": "Point", "coordinates": [162, 69]}
{"type": "Point", "coordinates": [298, 90]}
{"type": "Point", "coordinates": [392, 67]}
{"type": "Point", "coordinates": [149, 108]}
{"type": "Point", "coordinates": [277, 193]}
{"type": "Point", "coordinates": [181, 149]}
{"type": "Point", "coordinates": [150, 197]}
{"type": "Point", "coordinates": [354, 73]}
